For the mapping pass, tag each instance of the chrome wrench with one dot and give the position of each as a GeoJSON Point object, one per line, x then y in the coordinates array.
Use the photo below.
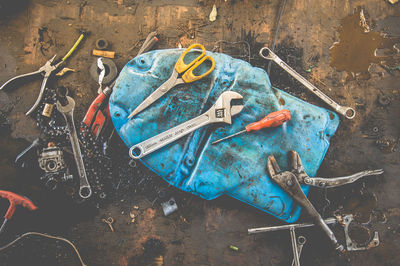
{"type": "Point", "coordinates": [66, 106]}
{"type": "Point", "coordinates": [301, 240]}
{"type": "Point", "coordinates": [221, 111]}
{"type": "Point", "coordinates": [347, 112]}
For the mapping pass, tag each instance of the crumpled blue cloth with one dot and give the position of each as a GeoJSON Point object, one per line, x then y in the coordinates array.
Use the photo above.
{"type": "Point", "coordinates": [235, 167]}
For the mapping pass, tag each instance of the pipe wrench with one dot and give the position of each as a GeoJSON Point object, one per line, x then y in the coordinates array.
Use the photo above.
{"type": "Point", "coordinates": [221, 111]}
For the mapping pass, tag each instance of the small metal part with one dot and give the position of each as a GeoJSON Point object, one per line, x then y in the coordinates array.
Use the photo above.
{"type": "Point", "coordinates": [169, 206]}
{"type": "Point", "coordinates": [234, 248]}
{"type": "Point", "coordinates": [47, 110]}
{"type": "Point", "coordinates": [211, 116]}
{"type": "Point", "coordinates": [347, 112]}
{"type": "Point", "coordinates": [109, 221]}
{"type": "Point", "coordinates": [101, 44]}
{"type": "Point", "coordinates": [351, 244]}
{"type": "Point", "coordinates": [51, 160]}
{"type": "Point", "coordinates": [110, 74]}
{"type": "Point", "coordinates": [66, 105]}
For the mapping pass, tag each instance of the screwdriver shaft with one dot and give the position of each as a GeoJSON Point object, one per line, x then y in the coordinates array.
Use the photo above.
{"type": "Point", "coordinates": [228, 137]}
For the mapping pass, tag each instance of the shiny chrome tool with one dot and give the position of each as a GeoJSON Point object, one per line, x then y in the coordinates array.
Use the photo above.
{"type": "Point", "coordinates": [290, 181]}
{"type": "Point", "coordinates": [181, 68]}
{"type": "Point", "coordinates": [347, 112]}
{"type": "Point", "coordinates": [221, 111]}
{"type": "Point", "coordinates": [46, 70]}
{"type": "Point", "coordinates": [66, 105]}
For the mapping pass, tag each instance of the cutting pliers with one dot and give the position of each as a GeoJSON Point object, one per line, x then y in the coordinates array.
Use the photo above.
{"type": "Point", "coordinates": [45, 71]}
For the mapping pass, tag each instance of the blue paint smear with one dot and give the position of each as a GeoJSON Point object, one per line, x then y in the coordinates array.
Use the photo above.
{"type": "Point", "coordinates": [235, 167]}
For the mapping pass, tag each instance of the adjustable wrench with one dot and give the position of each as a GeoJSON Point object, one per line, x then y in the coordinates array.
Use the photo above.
{"type": "Point", "coordinates": [65, 105]}
{"type": "Point", "coordinates": [221, 111]}
{"type": "Point", "coordinates": [347, 112]}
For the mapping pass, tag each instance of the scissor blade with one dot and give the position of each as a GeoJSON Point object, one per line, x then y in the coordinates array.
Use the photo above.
{"type": "Point", "coordinates": [160, 91]}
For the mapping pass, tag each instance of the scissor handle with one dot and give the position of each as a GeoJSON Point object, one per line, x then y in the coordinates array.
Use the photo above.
{"type": "Point", "coordinates": [190, 77]}
{"type": "Point", "coordinates": [180, 66]}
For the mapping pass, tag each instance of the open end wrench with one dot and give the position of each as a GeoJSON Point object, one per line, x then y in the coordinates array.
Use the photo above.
{"type": "Point", "coordinates": [347, 112]}
{"type": "Point", "coordinates": [66, 107]}
{"type": "Point", "coordinates": [301, 240]}
{"type": "Point", "coordinates": [221, 111]}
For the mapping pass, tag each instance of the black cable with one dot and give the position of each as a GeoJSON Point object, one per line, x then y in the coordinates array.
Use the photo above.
{"type": "Point", "coordinates": [276, 32]}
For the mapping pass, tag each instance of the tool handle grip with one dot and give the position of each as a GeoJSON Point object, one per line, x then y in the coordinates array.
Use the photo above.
{"type": "Point", "coordinates": [15, 200]}
{"type": "Point", "coordinates": [271, 120]}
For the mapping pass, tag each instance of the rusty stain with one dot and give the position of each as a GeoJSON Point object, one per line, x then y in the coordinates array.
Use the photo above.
{"type": "Point", "coordinates": [357, 47]}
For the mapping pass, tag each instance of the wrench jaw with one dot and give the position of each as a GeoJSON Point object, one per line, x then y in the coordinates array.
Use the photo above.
{"type": "Point", "coordinates": [223, 110]}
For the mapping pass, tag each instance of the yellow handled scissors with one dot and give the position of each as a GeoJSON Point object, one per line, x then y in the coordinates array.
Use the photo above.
{"type": "Point", "coordinates": [183, 69]}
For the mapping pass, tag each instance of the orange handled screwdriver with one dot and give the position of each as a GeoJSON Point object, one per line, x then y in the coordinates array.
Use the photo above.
{"type": "Point", "coordinates": [271, 120]}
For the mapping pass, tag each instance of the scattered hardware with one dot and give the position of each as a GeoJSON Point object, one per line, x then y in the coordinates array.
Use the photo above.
{"type": "Point", "coordinates": [51, 160]}
{"type": "Point", "coordinates": [48, 236]}
{"type": "Point", "coordinates": [101, 44]}
{"type": "Point", "coordinates": [274, 119]}
{"type": "Point", "coordinates": [181, 68]}
{"type": "Point", "coordinates": [213, 14]}
{"type": "Point", "coordinates": [46, 70]}
{"type": "Point", "coordinates": [108, 54]}
{"type": "Point", "coordinates": [221, 111]}
{"type": "Point", "coordinates": [347, 112]}
{"type": "Point", "coordinates": [14, 200]}
{"type": "Point", "coordinates": [66, 105]}
{"type": "Point", "coordinates": [110, 68]}
{"type": "Point", "coordinates": [109, 221]}
{"type": "Point", "coordinates": [290, 183]}
{"type": "Point", "coordinates": [169, 206]}
{"type": "Point", "coordinates": [65, 70]}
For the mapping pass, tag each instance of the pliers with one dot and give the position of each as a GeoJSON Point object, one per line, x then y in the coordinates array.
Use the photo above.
{"type": "Point", "coordinates": [45, 71]}
{"type": "Point", "coordinates": [290, 182]}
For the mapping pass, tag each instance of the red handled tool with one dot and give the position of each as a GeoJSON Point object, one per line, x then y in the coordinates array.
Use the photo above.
{"type": "Point", "coordinates": [98, 115]}
{"type": "Point", "coordinates": [271, 120]}
{"type": "Point", "coordinates": [14, 200]}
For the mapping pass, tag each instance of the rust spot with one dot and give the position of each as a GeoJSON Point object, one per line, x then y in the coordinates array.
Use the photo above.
{"type": "Point", "coordinates": [282, 101]}
{"type": "Point", "coordinates": [331, 116]}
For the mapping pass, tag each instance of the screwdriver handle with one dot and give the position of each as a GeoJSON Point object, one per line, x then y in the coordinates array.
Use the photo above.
{"type": "Point", "coordinates": [273, 119]}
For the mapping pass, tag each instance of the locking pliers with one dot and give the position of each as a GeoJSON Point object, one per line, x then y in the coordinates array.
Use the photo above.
{"type": "Point", "coordinates": [290, 182]}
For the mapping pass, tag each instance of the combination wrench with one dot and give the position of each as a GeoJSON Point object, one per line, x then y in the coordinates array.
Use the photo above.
{"type": "Point", "coordinates": [347, 112]}
{"type": "Point", "coordinates": [66, 105]}
{"type": "Point", "coordinates": [221, 111]}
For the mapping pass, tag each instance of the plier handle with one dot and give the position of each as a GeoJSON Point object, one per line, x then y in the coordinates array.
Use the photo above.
{"type": "Point", "coordinates": [45, 71]}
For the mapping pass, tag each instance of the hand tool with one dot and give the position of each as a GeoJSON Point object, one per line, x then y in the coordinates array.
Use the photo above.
{"type": "Point", "coordinates": [150, 41]}
{"type": "Point", "coordinates": [295, 249]}
{"type": "Point", "coordinates": [109, 221]}
{"type": "Point", "coordinates": [66, 105]}
{"type": "Point", "coordinates": [34, 144]}
{"type": "Point", "coordinates": [273, 119]}
{"type": "Point", "coordinates": [14, 200]}
{"type": "Point", "coordinates": [301, 240]}
{"type": "Point", "coordinates": [290, 181]}
{"type": "Point", "coordinates": [181, 68]}
{"type": "Point", "coordinates": [46, 71]}
{"type": "Point", "coordinates": [221, 111]}
{"type": "Point", "coordinates": [347, 112]}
